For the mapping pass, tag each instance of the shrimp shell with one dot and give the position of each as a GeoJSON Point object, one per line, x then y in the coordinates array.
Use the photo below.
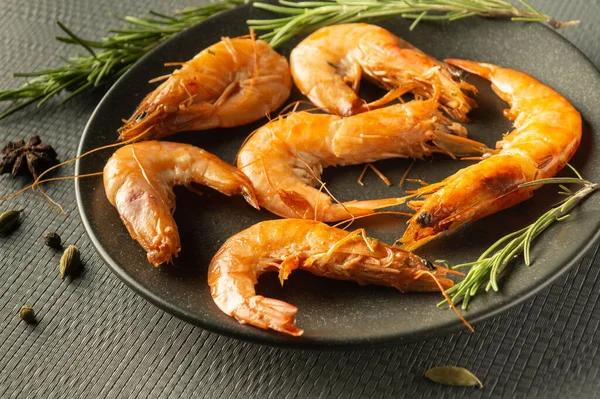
{"type": "Point", "coordinates": [288, 244]}
{"type": "Point", "coordinates": [285, 158]}
{"type": "Point", "coordinates": [139, 180]}
{"type": "Point", "coordinates": [231, 83]}
{"type": "Point", "coordinates": [547, 134]}
{"type": "Point", "coordinates": [327, 67]}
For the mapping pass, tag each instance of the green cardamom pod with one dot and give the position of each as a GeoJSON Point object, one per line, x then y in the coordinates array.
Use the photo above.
{"type": "Point", "coordinates": [70, 261]}
{"type": "Point", "coordinates": [451, 375]}
{"type": "Point", "coordinates": [26, 313]}
{"type": "Point", "coordinates": [9, 220]}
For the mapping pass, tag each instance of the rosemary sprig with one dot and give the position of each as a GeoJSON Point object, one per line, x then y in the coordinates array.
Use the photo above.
{"type": "Point", "coordinates": [306, 16]}
{"type": "Point", "coordinates": [108, 57]}
{"type": "Point", "coordinates": [490, 265]}
{"type": "Point", "coordinates": [111, 56]}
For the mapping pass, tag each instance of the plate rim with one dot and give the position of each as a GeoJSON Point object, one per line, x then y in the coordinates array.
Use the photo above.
{"type": "Point", "coordinates": [381, 341]}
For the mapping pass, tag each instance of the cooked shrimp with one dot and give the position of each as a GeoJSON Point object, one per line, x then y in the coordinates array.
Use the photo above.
{"type": "Point", "coordinates": [139, 180]}
{"type": "Point", "coordinates": [231, 83]}
{"type": "Point", "coordinates": [284, 159]}
{"type": "Point", "coordinates": [288, 244]}
{"type": "Point", "coordinates": [327, 67]}
{"type": "Point", "coordinates": [547, 134]}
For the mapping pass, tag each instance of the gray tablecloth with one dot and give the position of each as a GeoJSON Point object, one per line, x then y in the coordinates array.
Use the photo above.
{"type": "Point", "coordinates": [96, 338]}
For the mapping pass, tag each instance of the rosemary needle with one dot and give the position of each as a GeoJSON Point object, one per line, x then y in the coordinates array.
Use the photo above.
{"type": "Point", "coordinates": [108, 57]}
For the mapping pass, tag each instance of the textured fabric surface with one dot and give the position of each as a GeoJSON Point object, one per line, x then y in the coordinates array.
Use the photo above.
{"type": "Point", "coordinates": [96, 338]}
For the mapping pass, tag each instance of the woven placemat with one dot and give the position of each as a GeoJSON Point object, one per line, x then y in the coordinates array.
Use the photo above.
{"type": "Point", "coordinates": [96, 338]}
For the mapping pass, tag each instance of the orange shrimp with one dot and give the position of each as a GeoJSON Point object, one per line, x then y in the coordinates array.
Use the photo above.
{"type": "Point", "coordinates": [285, 158]}
{"type": "Point", "coordinates": [547, 134]}
{"type": "Point", "coordinates": [231, 83]}
{"type": "Point", "coordinates": [288, 244]}
{"type": "Point", "coordinates": [327, 67]}
{"type": "Point", "coordinates": [139, 180]}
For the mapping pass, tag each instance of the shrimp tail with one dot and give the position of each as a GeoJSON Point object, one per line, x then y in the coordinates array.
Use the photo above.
{"type": "Point", "coordinates": [478, 68]}
{"type": "Point", "coordinates": [268, 313]}
{"type": "Point", "coordinates": [249, 195]}
{"type": "Point", "coordinates": [162, 122]}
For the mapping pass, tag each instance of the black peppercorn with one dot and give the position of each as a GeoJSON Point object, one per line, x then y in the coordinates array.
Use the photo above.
{"type": "Point", "coordinates": [52, 240]}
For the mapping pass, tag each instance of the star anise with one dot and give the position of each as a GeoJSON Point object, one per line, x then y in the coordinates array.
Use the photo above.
{"type": "Point", "coordinates": [33, 157]}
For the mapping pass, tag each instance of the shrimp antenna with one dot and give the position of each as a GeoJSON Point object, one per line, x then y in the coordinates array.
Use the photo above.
{"type": "Point", "coordinates": [433, 276]}
{"type": "Point", "coordinates": [351, 220]}
{"type": "Point", "coordinates": [160, 78]}
{"type": "Point", "coordinates": [405, 175]}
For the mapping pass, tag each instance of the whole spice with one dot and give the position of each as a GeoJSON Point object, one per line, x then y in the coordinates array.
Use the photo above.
{"type": "Point", "coordinates": [26, 313]}
{"type": "Point", "coordinates": [70, 261]}
{"type": "Point", "coordinates": [33, 157]}
{"type": "Point", "coordinates": [52, 240]}
{"type": "Point", "coordinates": [451, 375]}
{"type": "Point", "coordinates": [9, 220]}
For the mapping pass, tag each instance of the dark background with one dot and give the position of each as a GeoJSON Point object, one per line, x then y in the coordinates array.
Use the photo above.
{"type": "Point", "coordinates": [96, 338]}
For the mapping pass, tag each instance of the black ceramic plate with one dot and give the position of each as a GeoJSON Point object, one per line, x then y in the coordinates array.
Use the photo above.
{"type": "Point", "coordinates": [335, 313]}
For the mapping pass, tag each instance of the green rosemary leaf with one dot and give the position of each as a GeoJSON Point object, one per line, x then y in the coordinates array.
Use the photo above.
{"type": "Point", "coordinates": [74, 93]}
{"type": "Point", "coordinates": [77, 39]}
{"type": "Point", "coordinates": [574, 170]}
{"type": "Point", "coordinates": [555, 180]}
{"type": "Point", "coordinates": [417, 20]}
{"type": "Point", "coordinates": [164, 16]}
{"type": "Point", "coordinates": [20, 106]}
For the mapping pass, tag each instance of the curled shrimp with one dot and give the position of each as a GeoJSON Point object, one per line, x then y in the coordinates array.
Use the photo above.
{"type": "Point", "coordinates": [231, 83]}
{"type": "Point", "coordinates": [285, 158]}
{"type": "Point", "coordinates": [139, 180]}
{"type": "Point", "coordinates": [327, 67]}
{"type": "Point", "coordinates": [288, 244]}
{"type": "Point", "coordinates": [547, 134]}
